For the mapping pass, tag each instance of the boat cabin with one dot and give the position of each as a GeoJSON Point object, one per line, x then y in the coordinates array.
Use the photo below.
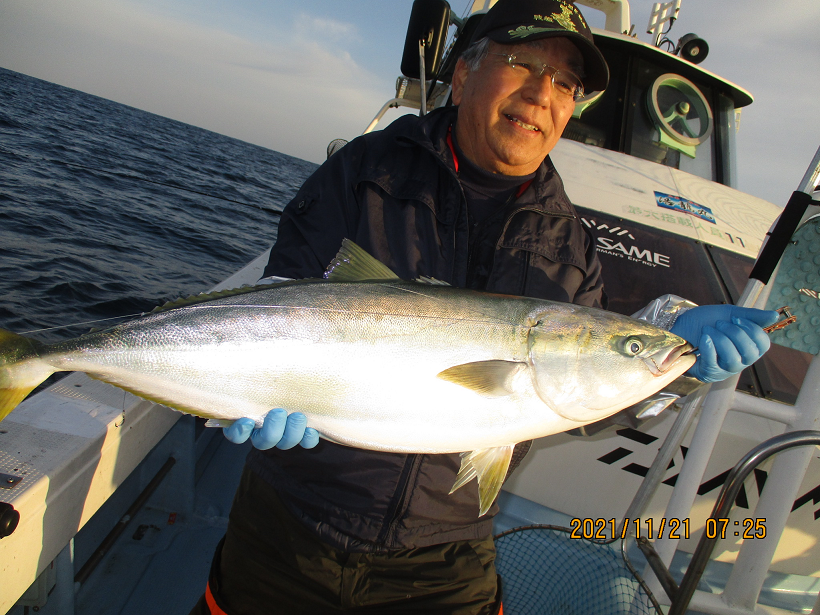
{"type": "Point", "coordinates": [650, 164]}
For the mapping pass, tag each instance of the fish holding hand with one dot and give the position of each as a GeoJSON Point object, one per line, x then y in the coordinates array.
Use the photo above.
{"type": "Point", "coordinates": [374, 362]}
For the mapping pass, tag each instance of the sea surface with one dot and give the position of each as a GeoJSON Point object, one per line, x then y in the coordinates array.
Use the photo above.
{"type": "Point", "coordinates": [108, 211]}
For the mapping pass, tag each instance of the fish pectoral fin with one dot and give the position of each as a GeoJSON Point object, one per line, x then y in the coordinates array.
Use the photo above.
{"type": "Point", "coordinates": [489, 466]}
{"type": "Point", "coordinates": [354, 264]}
{"type": "Point", "coordinates": [489, 378]}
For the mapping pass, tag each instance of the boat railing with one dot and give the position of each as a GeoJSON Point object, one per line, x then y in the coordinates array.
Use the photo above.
{"type": "Point", "coordinates": [616, 11]}
{"type": "Point", "coordinates": [754, 558]}
{"type": "Point", "coordinates": [740, 595]}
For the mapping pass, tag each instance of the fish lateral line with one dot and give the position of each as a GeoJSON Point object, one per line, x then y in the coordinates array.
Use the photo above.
{"type": "Point", "coordinates": [434, 298]}
{"type": "Point", "coordinates": [489, 319]}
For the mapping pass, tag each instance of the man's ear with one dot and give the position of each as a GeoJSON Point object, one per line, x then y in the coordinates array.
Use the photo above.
{"type": "Point", "coordinates": [460, 75]}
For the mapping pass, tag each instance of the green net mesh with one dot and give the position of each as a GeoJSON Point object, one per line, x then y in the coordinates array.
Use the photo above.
{"type": "Point", "coordinates": [544, 571]}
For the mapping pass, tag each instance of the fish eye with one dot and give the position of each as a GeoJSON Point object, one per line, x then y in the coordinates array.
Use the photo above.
{"type": "Point", "coordinates": [633, 346]}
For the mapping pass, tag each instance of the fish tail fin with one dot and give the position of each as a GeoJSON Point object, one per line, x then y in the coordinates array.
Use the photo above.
{"type": "Point", "coordinates": [489, 466]}
{"type": "Point", "coordinates": [21, 370]}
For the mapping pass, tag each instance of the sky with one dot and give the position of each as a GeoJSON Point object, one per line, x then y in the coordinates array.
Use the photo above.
{"type": "Point", "coordinates": [292, 76]}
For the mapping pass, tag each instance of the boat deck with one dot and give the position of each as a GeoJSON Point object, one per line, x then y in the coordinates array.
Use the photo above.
{"type": "Point", "coordinates": [160, 562]}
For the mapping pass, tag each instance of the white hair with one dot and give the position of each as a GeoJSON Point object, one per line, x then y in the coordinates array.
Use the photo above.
{"type": "Point", "coordinates": [474, 55]}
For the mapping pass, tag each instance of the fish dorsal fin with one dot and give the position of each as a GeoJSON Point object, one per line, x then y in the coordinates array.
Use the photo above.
{"type": "Point", "coordinates": [354, 264]}
{"type": "Point", "coordinates": [205, 297]}
{"type": "Point", "coordinates": [490, 467]}
{"type": "Point", "coordinates": [489, 378]}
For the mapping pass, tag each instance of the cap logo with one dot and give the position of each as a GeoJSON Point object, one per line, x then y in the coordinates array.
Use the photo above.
{"type": "Point", "coordinates": [524, 31]}
{"type": "Point", "coordinates": [564, 18]}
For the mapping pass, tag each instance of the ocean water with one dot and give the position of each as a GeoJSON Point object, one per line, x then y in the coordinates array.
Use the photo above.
{"type": "Point", "coordinates": [106, 210]}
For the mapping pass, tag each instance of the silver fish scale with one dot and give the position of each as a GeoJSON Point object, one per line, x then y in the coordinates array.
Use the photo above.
{"type": "Point", "coordinates": [362, 360]}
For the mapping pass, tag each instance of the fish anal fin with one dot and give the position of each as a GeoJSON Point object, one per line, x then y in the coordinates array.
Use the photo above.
{"type": "Point", "coordinates": [489, 466]}
{"type": "Point", "coordinates": [168, 402]}
{"type": "Point", "coordinates": [354, 264]}
{"type": "Point", "coordinates": [489, 378]}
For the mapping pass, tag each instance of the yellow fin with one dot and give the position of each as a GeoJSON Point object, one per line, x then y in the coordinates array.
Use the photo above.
{"type": "Point", "coordinates": [489, 466]}
{"type": "Point", "coordinates": [11, 398]}
{"type": "Point", "coordinates": [354, 264]}
{"type": "Point", "coordinates": [490, 378]}
{"type": "Point", "coordinates": [20, 370]}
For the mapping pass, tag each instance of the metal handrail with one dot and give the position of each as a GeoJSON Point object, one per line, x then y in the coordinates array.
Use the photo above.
{"type": "Point", "coordinates": [723, 505]}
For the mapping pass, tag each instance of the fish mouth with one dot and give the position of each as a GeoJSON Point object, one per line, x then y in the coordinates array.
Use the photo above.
{"type": "Point", "coordinates": [666, 359]}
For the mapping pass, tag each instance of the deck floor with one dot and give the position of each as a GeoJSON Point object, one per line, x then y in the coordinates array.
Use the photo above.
{"type": "Point", "coordinates": [159, 566]}
{"type": "Point", "coordinates": [160, 563]}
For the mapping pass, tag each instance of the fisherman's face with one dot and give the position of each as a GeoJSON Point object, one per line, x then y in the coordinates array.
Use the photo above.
{"type": "Point", "coordinates": [508, 124]}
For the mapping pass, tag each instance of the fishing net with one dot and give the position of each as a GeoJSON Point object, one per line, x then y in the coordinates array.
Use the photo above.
{"type": "Point", "coordinates": [544, 571]}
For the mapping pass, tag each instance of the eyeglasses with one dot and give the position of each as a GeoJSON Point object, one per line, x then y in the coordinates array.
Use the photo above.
{"type": "Point", "coordinates": [564, 81]}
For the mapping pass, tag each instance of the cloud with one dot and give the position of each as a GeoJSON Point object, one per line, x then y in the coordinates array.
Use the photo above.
{"type": "Point", "coordinates": [292, 83]}
{"type": "Point", "coordinates": [311, 27]}
{"type": "Point", "coordinates": [293, 92]}
{"type": "Point", "coordinates": [777, 137]}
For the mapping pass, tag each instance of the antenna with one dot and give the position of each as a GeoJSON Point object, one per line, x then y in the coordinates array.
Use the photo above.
{"type": "Point", "coordinates": [661, 13]}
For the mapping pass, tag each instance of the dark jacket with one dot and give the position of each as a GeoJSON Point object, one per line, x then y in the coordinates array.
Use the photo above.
{"type": "Point", "coordinates": [397, 195]}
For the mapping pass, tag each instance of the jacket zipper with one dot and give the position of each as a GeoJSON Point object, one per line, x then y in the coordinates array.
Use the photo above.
{"type": "Point", "coordinates": [411, 468]}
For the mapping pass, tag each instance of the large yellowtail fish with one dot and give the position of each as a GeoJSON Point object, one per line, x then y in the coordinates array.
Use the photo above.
{"type": "Point", "coordinates": [374, 362]}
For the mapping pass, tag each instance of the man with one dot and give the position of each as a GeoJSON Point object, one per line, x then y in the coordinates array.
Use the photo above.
{"type": "Point", "coordinates": [467, 195]}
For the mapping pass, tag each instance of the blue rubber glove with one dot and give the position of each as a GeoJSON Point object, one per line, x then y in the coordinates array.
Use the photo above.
{"type": "Point", "coordinates": [279, 429]}
{"type": "Point", "coordinates": [728, 338]}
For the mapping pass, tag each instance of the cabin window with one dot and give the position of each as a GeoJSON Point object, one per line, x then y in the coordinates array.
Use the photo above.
{"type": "Point", "coordinates": [726, 126]}
{"type": "Point", "coordinates": [780, 373]}
{"type": "Point", "coordinates": [598, 121]}
{"type": "Point", "coordinates": [641, 263]}
{"type": "Point", "coordinates": [651, 112]}
{"type": "Point", "coordinates": [664, 109]}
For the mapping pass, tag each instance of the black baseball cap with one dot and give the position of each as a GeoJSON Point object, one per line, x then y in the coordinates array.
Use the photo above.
{"type": "Point", "coordinates": [515, 21]}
